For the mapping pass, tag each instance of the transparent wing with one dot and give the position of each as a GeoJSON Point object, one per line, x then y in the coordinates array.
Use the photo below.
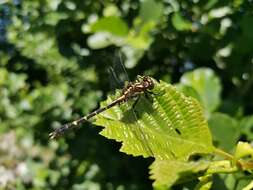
{"type": "Point", "coordinates": [118, 71]}
{"type": "Point", "coordinates": [119, 74]}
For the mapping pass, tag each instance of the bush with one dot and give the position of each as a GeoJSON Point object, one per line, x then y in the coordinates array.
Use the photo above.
{"type": "Point", "coordinates": [55, 57]}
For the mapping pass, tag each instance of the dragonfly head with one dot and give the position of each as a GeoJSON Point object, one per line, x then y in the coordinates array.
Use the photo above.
{"type": "Point", "coordinates": [148, 83]}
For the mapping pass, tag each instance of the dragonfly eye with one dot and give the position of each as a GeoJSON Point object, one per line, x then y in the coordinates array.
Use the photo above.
{"type": "Point", "coordinates": [148, 82]}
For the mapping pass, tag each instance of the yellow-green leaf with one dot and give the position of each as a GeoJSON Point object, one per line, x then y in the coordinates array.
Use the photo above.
{"type": "Point", "coordinates": [112, 24]}
{"type": "Point", "coordinates": [166, 125]}
{"type": "Point", "coordinates": [168, 172]}
{"type": "Point", "coordinates": [207, 84]}
{"type": "Point", "coordinates": [243, 149]}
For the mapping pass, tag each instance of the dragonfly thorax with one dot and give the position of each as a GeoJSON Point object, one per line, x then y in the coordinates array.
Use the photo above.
{"type": "Point", "coordinates": [142, 84]}
{"type": "Point", "coordinates": [147, 83]}
{"type": "Point", "coordinates": [132, 89]}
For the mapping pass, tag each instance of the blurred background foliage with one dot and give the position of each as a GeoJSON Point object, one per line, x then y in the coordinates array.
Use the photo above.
{"type": "Point", "coordinates": [54, 60]}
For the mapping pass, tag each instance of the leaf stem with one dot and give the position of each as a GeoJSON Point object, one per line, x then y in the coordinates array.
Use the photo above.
{"type": "Point", "coordinates": [223, 154]}
{"type": "Point", "coordinates": [223, 166]}
{"type": "Point", "coordinates": [242, 164]}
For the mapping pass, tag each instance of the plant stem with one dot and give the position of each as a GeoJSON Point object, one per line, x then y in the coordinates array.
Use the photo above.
{"type": "Point", "coordinates": [239, 163]}
{"type": "Point", "coordinates": [223, 166]}
{"type": "Point", "coordinates": [224, 154]}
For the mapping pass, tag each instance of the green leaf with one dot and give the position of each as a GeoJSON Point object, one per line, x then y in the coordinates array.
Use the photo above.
{"type": "Point", "coordinates": [99, 40]}
{"type": "Point", "coordinates": [235, 181]}
{"type": "Point", "coordinates": [180, 23]}
{"type": "Point", "coordinates": [150, 10]}
{"type": "Point", "coordinates": [112, 24]}
{"type": "Point", "coordinates": [188, 91]}
{"type": "Point", "coordinates": [111, 10]}
{"type": "Point", "coordinates": [168, 172]}
{"type": "Point", "coordinates": [141, 39]}
{"type": "Point", "coordinates": [169, 125]}
{"type": "Point", "coordinates": [132, 55]}
{"type": "Point", "coordinates": [225, 130]}
{"type": "Point", "coordinates": [237, 3]}
{"type": "Point", "coordinates": [207, 84]}
{"type": "Point", "coordinates": [249, 186]}
{"type": "Point", "coordinates": [246, 127]}
{"type": "Point", "coordinates": [53, 18]}
{"type": "Point", "coordinates": [205, 183]}
{"type": "Point", "coordinates": [243, 149]}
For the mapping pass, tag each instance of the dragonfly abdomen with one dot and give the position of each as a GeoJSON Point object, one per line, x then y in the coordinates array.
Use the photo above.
{"type": "Point", "coordinates": [132, 90]}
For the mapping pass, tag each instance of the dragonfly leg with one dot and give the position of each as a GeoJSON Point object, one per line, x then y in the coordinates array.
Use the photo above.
{"type": "Point", "coordinates": [156, 94]}
{"type": "Point", "coordinates": [147, 95]}
{"type": "Point", "coordinates": [136, 101]}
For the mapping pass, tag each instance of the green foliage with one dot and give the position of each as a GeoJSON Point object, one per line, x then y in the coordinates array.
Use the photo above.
{"type": "Point", "coordinates": [185, 171]}
{"type": "Point", "coordinates": [180, 23]}
{"type": "Point", "coordinates": [172, 127]}
{"type": "Point", "coordinates": [246, 127]}
{"type": "Point", "coordinates": [221, 124]}
{"type": "Point", "coordinates": [112, 24]}
{"type": "Point", "coordinates": [54, 57]}
{"type": "Point", "coordinates": [206, 84]}
{"type": "Point", "coordinates": [133, 41]}
{"type": "Point", "coordinates": [242, 150]}
{"type": "Point", "coordinates": [150, 10]}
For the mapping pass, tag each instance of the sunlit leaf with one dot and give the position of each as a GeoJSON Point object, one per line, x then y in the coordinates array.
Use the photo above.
{"type": "Point", "coordinates": [220, 12]}
{"type": "Point", "coordinates": [237, 3]}
{"type": "Point", "coordinates": [112, 24]}
{"type": "Point", "coordinates": [141, 39]}
{"type": "Point", "coordinates": [243, 149]}
{"type": "Point", "coordinates": [210, 4]}
{"type": "Point", "coordinates": [188, 91]}
{"type": "Point", "coordinates": [205, 183]}
{"type": "Point", "coordinates": [224, 129]}
{"type": "Point", "coordinates": [50, 74]}
{"type": "Point", "coordinates": [111, 10]}
{"type": "Point", "coordinates": [53, 18]}
{"type": "Point", "coordinates": [180, 23]}
{"type": "Point", "coordinates": [132, 54]}
{"type": "Point", "coordinates": [207, 84]}
{"type": "Point", "coordinates": [150, 10]}
{"type": "Point", "coordinates": [169, 125]}
{"type": "Point", "coordinates": [167, 172]}
{"type": "Point", "coordinates": [249, 186]}
{"type": "Point", "coordinates": [99, 40]}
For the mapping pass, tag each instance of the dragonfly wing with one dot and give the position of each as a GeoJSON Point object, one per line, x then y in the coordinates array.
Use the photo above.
{"type": "Point", "coordinates": [119, 78]}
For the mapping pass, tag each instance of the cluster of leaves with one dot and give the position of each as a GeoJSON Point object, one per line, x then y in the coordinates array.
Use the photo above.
{"type": "Point", "coordinates": [172, 128]}
{"type": "Point", "coordinates": [53, 60]}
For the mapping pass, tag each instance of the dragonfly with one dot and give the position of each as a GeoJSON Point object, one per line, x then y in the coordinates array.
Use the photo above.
{"type": "Point", "coordinates": [132, 90]}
